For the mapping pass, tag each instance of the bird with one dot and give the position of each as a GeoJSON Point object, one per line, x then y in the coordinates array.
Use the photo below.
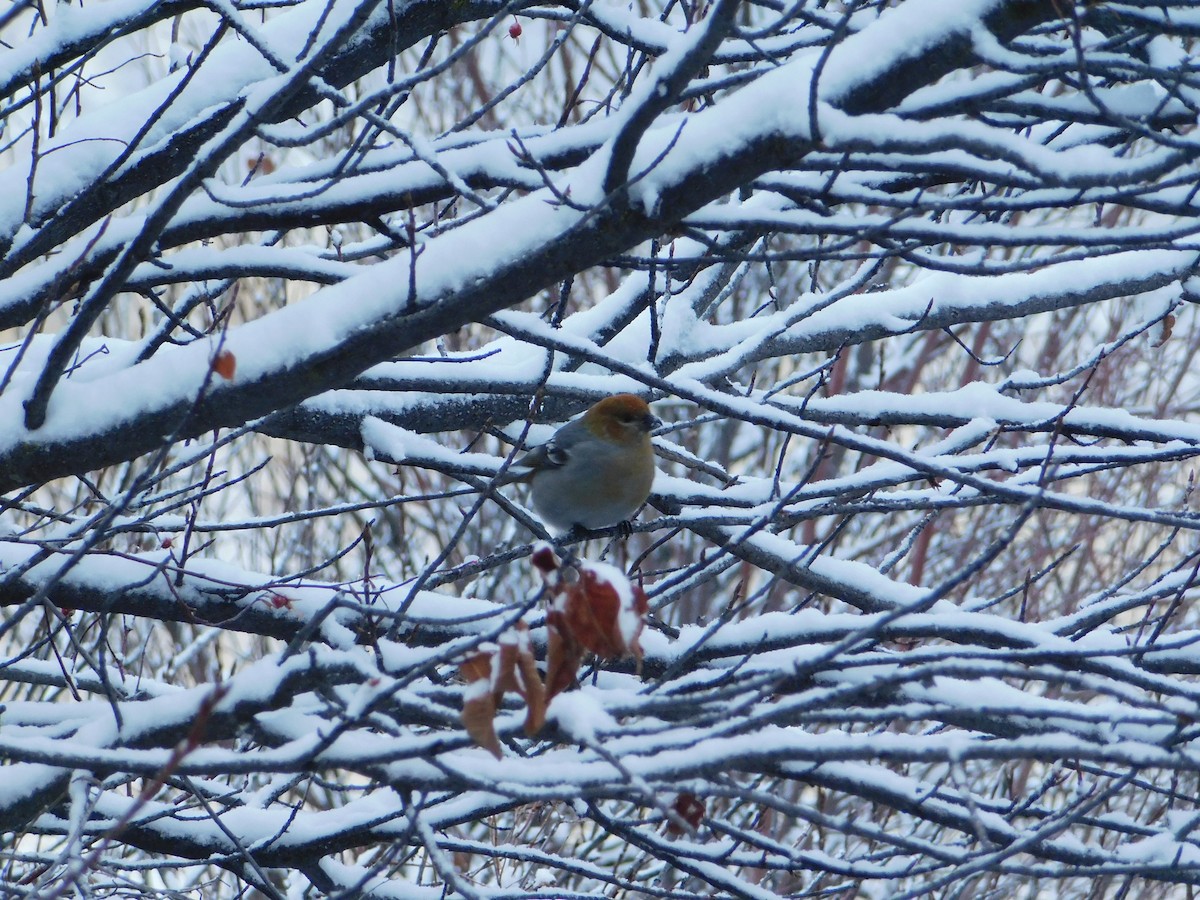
{"type": "Point", "coordinates": [596, 470]}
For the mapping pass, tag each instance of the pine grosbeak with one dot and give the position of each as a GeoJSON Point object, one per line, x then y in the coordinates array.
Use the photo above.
{"type": "Point", "coordinates": [596, 470]}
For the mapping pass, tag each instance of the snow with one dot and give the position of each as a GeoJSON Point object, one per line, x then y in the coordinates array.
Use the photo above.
{"type": "Point", "coordinates": [93, 141]}
{"type": "Point", "coordinates": [401, 445]}
{"type": "Point", "coordinates": [900, 33]}
{"type": "Point", "coordinates": [853, 683]}
{"type": "Point", "coordinates": [1162, 849]}
{"type": "Point", "coordinates": [581, 716]}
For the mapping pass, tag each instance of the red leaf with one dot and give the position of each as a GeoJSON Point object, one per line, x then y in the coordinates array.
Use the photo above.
{"type": "Point", "coordinates": [563, 656]}
{"type": "Point", "coordinates": [544, 560]}
{"type": "Point", "coordinates": [604, 612]}
{"type": "Point", "coordinates": [690, 809]}
{"type": "Point", "coordinates": [225, 364]}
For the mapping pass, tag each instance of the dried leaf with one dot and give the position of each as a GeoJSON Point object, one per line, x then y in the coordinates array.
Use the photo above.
{"type": "Point", "coordinates": [690, 810]}
{"type": "Point", "coordinates": [479, 701]}
{"type": "Point", "coordinates": [545, 560]}
{"type": "Point", "coordinates": [493, 672]}
{"type": "Point", "coordinates": [563, 656]}
{"type": "Point", "coordinates": [526, 680]}
{"type": "Point", "coordinates": [260, 165]}
{"type": "Point", "coordinates": [225, 364]}
{"type": "Point", "coordinates": [590, 615]}
{"type": "Point", "coordinates": [604, 612]}
{"type": "Point", "coordinates": [1165, 328]}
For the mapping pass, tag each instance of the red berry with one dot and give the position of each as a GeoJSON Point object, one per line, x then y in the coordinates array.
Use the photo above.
{"type": "Point", "coordinates": [514, 30]}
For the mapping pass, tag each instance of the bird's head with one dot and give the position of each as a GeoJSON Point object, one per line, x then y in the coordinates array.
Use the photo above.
{"type": "Point", "coordinates": [621, 418]}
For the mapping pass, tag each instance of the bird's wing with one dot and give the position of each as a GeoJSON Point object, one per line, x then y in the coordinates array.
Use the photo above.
{"type": "Point", "coordinates": [551, 455]}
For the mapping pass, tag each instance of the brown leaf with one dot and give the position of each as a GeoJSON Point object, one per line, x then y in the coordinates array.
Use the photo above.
{"type": "Point", "coordinates": [563, 656]}
{"type": "Point", "coordinates": [526, 680]}
{"type": "Point", "coordinates": [225, 364]}
{"type": "Point", "coordinates": [1166, 327]}
{"type": "Point", "coordinates": [261, 165]}
{"type": "Point", "coordinates": [690, 810]}
{"type": "Point", "coordinates": [489, 675]}
{"type": "Point", "coordinates": [544, 560]}
{"type": "Point", "coordinates": [479, 701]}
{"type": "Point", "coordinates": [590, 611]}
{"type": "Point", "coordinates": [604, 612]}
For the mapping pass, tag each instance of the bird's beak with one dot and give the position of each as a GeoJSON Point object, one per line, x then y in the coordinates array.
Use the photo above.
{"type": "Point", "coordinates": [652, 421]}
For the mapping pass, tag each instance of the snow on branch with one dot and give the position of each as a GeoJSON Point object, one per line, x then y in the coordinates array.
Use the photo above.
{"type": "Point", "coordinates": [287, 290]}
